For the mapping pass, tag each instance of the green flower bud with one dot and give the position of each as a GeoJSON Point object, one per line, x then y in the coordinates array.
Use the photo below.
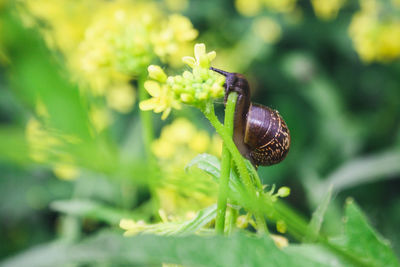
{"type": "Point", "coordinates": [283, 191]}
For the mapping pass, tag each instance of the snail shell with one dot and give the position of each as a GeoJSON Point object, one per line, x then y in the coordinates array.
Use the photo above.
{"type": "Point", "coordinates": [260, 133]}
{"type": "Point", "coordinates": [266, 135]}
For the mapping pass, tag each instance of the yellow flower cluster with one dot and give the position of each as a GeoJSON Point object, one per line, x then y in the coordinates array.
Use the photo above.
{"type": "Point", "coordinates": [181, 191]}
{"type": "Point", "coordinates": [376, 36]}
{"type": "Point", "coordinates": [62, 23]}
{"type": "Point", "coordinates": [183, 138]}
{"type": "Point", "coordinates": [254, 7]}
{"type": "Point", "coordinates": [327, 9]}
{"type": "Point", "coordinates": [193, 88]}
{"type": "Point", "coordinates": [106, 44]}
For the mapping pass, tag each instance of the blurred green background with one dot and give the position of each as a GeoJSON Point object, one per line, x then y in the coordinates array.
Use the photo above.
{"type": "Point", "coordinates": [71, 151]}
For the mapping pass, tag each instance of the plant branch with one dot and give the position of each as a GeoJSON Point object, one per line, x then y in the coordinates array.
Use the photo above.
{"type": "Point", "coordinates": [208, 111]}
{"type": "Point", "coordinates": [225, 165]}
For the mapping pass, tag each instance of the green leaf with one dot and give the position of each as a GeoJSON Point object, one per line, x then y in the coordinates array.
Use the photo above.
{"type": "Point", "coordinates": [317, 254]}
{"type": "Point", "coordinates": [362, 242]}
{"type": "Point", "coordinates": [148, 250]}
{"type": "Point", "coordinates": [318, 217]}
{"type": "Point", "coordinates": [207, 163]}
{"type": "Point", "coordinates": [212, 166]}
{"type": "Point", "coordinates": [367, 169]}
{"type": "Point", "coordinates": [195, 225]}
{"type": "Point", "coordinates": [203, 217]}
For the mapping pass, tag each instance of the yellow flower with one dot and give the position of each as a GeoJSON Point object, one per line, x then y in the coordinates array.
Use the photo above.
{"type": "Point", "coordinates": [327, 9]}
{"type": "Point", "coordinates": [121, 97]}
{"type": "Point", "coordinates": [376, 37]}
{"type": "Point", "coordinates": [131, 227]}
{"type": "Point", "coordinates": [280, 241]}
{"type": "Point", "coordinates": [180, 132]}
{"type": "Point", "coordinates": [193, 88]}
{"type": "Point", "coordinates": [182, 28]}
{"type": "Point", "coordinates": [267, 29]}
{"type": "Point", "coordinates": [156, 73]}
{"type": "Point", "coordinates": [248, 7]}
{"type": "Point", "coordinates": [178, 31]}
{"type": "Point", "coordinates": [162, 100]}
{"type": "Point", "coordinates": [182, 191]}
{"type": "Point", "coordinates": [106, 44]}
{"type": "Point", "coordinates": [65, 171]}
{"type": "Point", "coordinates": [100, 118]}
{"type": "Point", "coordinates": [200, 142]}
{"type": "Point", "coordinates": [68, 20]}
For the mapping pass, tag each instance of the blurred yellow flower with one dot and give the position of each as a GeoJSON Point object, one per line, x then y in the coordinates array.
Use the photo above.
{"type": "Point", "coordinates": [177, 31]}
{"type": "Point", "coordinates": [180, 132]}
{"type": "Point", "coordinates": [183, 136]}
{"type": "Point", "coordinates": [176, 5]}
{"type": "Point", "coordinates": [327, 9]}
{"type": "Point", "coordinates": [248, 7]}
{"type": "Point", "coordinates": [280, 241]}
{"type": "Point", "coordinates": [106, 44]}
{"type": "Point", "coordinates": [65, 171]}
{"type": "Point", "coordinates": [200, 142]}
{"type": "Point", "coordinates": [267, 29]}
{"type": "Point", "coordinates": [62, 23]}
{"type": "Point", "coordinates": [376, 37]}
{"type": "Point", "coordinates": [254, 7]}
{"type": "Point", "coordinates": [100, 118]}
{"type": "Point", "coordinates": [131, 227]}
{"type": "Point", "coordinates": [181, 191]}
{"type": "Point", "coordinates": [121, 97]}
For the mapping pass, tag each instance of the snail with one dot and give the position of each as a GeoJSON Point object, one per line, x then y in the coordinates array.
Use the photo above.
{"type": "Point", "coordinates": [260, 133]}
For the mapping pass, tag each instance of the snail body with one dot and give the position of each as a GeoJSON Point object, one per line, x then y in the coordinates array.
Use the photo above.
{"type": "Point", "coordinates": [260, 133]}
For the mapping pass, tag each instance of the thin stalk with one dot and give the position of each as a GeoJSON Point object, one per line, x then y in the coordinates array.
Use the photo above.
{"type": "Point", "coordinates": [231, 216]}
{"type": "Point", "coordinates": [208, 111]}
{"type": "Point", "coordinates": [146, 119]}
{"type": "Point", "coordinates": [148, 138]}
{"type": "Point", "coordinates": [225, 165]}
{"type": "Point", "coordinates": [228, 142]}
{"type": "Point", "coordinates": [261, 224]}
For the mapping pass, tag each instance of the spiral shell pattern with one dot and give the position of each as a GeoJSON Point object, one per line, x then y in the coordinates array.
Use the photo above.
{"type": "Point", "coordinates": [266, 135]}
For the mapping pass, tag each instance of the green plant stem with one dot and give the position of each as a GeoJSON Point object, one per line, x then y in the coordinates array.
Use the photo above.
{"type": "Point", "coordinates": [148, 138]}
{"type": "Point", "coordinates": [230, 221]}
{"type": "Point", "coordinates": [208, 111]}
{"type": "Point", "coordinates": [228, 143]}
{"type": "Point", "coordinates": [225, 165]}
{"type": "Point", "coordinates": [146, 118]}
